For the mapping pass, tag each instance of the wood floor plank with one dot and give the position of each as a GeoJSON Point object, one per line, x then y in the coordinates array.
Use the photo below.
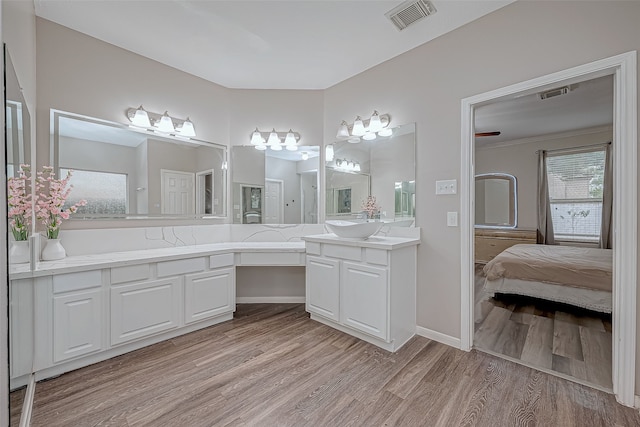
{"type": "Point", "coordinates": [512, 338]}
{"type": "Point", "coordinates": [296, 372]}
{"type": "Point", "coordinates": [566, 340]}
{"type": "Point", "coordinates": [597, 351]}
{"type": "Point", "coordinates": [489, 331]}
{"type": "Point", "coordinates": [538, 344]}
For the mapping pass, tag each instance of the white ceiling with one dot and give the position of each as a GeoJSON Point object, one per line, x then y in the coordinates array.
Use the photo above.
{"type": "Point", "coordinates": [589, 104]}
{"type": "Point", "coordinates": [303, 44]}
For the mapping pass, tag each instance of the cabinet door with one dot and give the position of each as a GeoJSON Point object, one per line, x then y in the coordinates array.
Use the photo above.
{"type": "Point", "coordinates": [144, 309]}
{"type": "Point", "coordinates": [364, 299]}
{"type": "Point", "coordinates": [77, 324]}
{"type": "Point", "coordinates": [323, 287]}
{"type": "Point", "coordinates": [209, 294]}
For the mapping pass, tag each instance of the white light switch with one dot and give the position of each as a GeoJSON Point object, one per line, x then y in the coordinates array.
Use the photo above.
{"type": "Point", "coordinates": [449, 186]}
{"type": "Point", "coordinates": [452, 219]}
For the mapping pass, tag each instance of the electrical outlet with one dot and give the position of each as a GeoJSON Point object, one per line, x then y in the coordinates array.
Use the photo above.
{"type": "Point", "coordinates": [447, 187]}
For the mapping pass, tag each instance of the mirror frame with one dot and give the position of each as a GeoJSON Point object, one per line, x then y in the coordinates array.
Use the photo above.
{"type": "Point", "coordinates": [54, 159]}
{"type": "Point", "coordinates": [513, 199]}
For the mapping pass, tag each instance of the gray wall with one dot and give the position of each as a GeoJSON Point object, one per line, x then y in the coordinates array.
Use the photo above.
{"type": "Point", "coordinates": [521, 41]}
{"type": "Point", "coordinates": [521, 161]}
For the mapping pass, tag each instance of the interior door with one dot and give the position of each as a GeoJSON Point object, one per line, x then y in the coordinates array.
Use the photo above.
{"type": "Point", "coordinates": [273, 201]}
{"type": "Point", "coordinates": [177, 192]}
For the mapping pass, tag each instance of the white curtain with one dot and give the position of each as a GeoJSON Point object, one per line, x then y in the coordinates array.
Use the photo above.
{"type": "Point", "coordinates": [545, 223]}
{"type": "Point", "coordinates": [606, 230]}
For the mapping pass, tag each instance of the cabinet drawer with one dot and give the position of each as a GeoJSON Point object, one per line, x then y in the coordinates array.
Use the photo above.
{"type": "Point", "coordinates": [76, 281]}
{"type": "Point", "coordinates": [143, 309]}
{"type": "Point", "coordinates": [376, 256]}
{"type": "Point", "coordinates": [181, 266]}
{"type": "Point", "coordinates": [353, 253]}
{"type": "Point", "coordinates": [129, 273]}
{"type": "Point", "coordinates": [209, 294]}
{"type": "Point", "coordinates": [77, 324]}
{"type": "Point", "coordinates": [222, 260]}
{"type": "Point", "coordinates": [272, 258]}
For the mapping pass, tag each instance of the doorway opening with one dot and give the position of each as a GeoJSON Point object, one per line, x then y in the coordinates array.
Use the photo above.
{"type": "Point", "coordinates": [622, 68]}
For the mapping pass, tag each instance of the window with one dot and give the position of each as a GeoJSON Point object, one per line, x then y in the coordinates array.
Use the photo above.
{"type": "Point", "coordinates": [105, 192]}
{"type": "Point", "coordinates": [575, 194]}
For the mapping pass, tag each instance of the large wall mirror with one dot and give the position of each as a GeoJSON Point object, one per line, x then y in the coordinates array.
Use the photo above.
{"type": "Point", "coordinates": [126, 173]}
{"type": "Point", "coordinates": [383, 167]}
{"type": "Point", "coordinates": [275, 187]}
{"type": "Point", "coordinates": [496, 200]}
{"type": "Point", "coordinates": [17, 121]}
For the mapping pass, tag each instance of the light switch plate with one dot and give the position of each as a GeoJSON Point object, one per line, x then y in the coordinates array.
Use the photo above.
{"type": "Point", "coordinates": [452, 219]}
{"type": "Point", "coordinates": [449, 186]}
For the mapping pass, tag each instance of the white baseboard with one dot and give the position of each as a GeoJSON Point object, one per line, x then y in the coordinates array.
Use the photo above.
{"type": "Point", "coordinates": [270, 300]}
{"type": "Point", "coordinates": [438, 336]}
{"type": "Point", "coordinates": [637, 402]}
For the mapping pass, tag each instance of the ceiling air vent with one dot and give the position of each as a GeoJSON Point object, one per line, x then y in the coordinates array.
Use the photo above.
{"type": "Point", "coordinates": [410, 12]}
{"type": "Point", "coordinates": [554, 92]}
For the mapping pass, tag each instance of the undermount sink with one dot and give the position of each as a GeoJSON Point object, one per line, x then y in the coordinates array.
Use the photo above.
{"type": "Point", "coordinates": [353, 230]}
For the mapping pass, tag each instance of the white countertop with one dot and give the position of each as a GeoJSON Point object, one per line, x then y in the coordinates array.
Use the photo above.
{"type": "Point", "coordinates": [118, 259]}
{"type": "Point", "coordinates": [376, 242]}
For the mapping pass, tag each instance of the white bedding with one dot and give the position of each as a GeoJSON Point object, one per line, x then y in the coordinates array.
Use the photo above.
{"type": "Point", "coordinates": [591, 299]}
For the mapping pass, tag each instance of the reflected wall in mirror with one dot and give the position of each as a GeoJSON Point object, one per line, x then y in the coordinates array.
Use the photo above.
{"type": "Point", "coordinates": [275, 187]}
{"type": "Point", "coordinates": [126, 173]}
{"type": "Point", "coordinates": [496, 201]}
{"type": "Point", "coordinates": [17, 122]}
{"type": "Point", "coordinates": [383, 167]}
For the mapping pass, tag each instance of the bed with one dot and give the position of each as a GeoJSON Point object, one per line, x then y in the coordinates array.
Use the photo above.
{"type": "Point", "coordinates": [571, 275]}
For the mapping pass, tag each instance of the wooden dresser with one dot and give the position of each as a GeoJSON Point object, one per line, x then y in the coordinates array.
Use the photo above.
{"type": "Point", "coordinates": [490, 242]}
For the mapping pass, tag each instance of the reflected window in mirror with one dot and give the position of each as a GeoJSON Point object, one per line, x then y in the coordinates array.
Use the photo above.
{"type": "Point", "coordinates": [496, 201]}
{"type": "Point", "coordinates": [287, 181]}
{"type": "Point", "coordinates": [127, 173]}
{"type": "Point", "coordinates": [383, 168]}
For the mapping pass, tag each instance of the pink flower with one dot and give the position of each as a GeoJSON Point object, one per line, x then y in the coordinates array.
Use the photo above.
{"type": "Point", "coordinates": [52, 195]}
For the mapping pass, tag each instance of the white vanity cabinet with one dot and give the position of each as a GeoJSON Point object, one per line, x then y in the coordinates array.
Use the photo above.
{"type": "Point", "coordinates": [209, 294]}
{"type": "Point", "coordinates": [364, 288]}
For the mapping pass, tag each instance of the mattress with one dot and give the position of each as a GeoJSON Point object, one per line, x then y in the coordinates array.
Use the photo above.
{"type": "Point", "coordinates": [576, 267]}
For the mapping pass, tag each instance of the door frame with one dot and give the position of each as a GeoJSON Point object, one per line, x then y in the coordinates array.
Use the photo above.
{"type": "Point", "coordinates": [201, 188]}
{"type": "Point", "coordinates": [281, 205]}
{"type": "Point", "coordinates": [625, 138]}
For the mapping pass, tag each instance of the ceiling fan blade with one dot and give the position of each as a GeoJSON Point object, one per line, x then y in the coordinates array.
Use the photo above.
{"type": "Point", "coordinates": [495, 133]}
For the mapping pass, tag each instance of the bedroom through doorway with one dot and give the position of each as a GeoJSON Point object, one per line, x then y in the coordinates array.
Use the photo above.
{"type": "Point", "coordinates": [521, 300]}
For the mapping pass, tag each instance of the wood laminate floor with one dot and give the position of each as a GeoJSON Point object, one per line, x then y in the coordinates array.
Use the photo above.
{"type": "Point", "coordinates": [273, 366]}
{"type": "Point", "coordinates": [556, 337]}
{"type": "Point", "coordinates": [16, 399]}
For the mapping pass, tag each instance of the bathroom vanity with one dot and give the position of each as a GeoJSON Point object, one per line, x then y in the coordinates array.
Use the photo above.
{"type": "Point", "coordinates": [366, 288]}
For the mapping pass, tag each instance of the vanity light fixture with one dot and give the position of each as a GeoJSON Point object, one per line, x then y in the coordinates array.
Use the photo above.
{"type": "Point", "coordinates": [140, 118]}
{"type": "Point", "coordinates": [376, 125]}
{"type": "Point", "coordinates": [347, 165]}
{"type": "Point", "coordinates": [328, 153]}
{"type": "Point", "coordinates": [305, 155]}
{"type": "Point", "coordinates": [275, 140]}
{"type": "Point", "coordinates": [225, 165]}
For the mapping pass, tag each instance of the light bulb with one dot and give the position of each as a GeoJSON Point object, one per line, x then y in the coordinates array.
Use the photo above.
{"type": "Point", "coordinates": [374, 122]}
{"type": "Point", "coordinates": [276, 147]}
{"type": "Point", "coordinates": [369, 136]}
{"type": "Point", "coordinates": [261, 147]}
{"type": "Point", "coordinates": [187, 128]}
{"type": "Point", "coordinates": [141, 118]}
{"type": "Point", "coordinates": [165, 124]}
{"type": "Point", "coordinates": [357, 167]}
{"type": "Point", "coordinates": [328, 153]}
{"type": "Point", "coordinates": [305, 155]}
{"type": "Point", "coordinates": [343, 131]}
{"type": "Point", "coordinates": [291, 147]}
{"type": "Point", "coordinates": [256, 138]}
{"type": "Point", "coordinates": [358, 127]}
{"type": "Point", "coordinates": [354, 139]}
{"type": "Point", "coordinates": [273, 138]}
{"type": "Point", "coordinates": [290, 139]}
